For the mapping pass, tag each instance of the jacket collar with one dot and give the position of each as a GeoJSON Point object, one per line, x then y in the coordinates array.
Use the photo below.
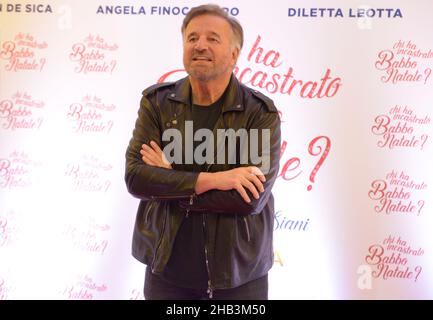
{"type": "Point", "coordinates": [232, 100]}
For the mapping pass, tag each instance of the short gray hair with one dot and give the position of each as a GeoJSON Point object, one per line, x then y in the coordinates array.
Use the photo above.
{"type": "Point", "coordinates": [216, 10]}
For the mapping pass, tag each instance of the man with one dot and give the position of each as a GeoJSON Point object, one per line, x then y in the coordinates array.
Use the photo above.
{"type": "Point", "coordinates": [204, 228]}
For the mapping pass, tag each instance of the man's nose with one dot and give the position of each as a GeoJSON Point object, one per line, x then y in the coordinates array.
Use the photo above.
{"type": "Point", "coordinates": [200, 45]}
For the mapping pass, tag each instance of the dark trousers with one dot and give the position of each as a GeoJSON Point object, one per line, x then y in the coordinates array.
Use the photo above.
{"type": "Point", "coordinates": [156, 288]}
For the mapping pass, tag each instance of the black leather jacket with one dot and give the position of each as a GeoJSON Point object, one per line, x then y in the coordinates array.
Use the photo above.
{"type": "Point", "coordinates": [238, 235]}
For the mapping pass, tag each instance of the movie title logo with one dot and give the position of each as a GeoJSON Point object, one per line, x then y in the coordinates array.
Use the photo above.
{"type": "Point", "coordinates": [393, 259]}
{"type": "Point", "coordinates": [401, 128]}
{"type": "Point", "coordinates": [23, 53]}
{"type": "Point", "coordinates": [265, 70]}
{"type": "Point", "coordinates": [21, 112]}
{"type": "Point", "coordinates": [18, 171]}
{"type": "Point", "coordinates": [290, 169]}
{"type": "Point", "coordinates": [87, 236]}
{"type": "Point", "coordinates": [94, 55]}
{"type": "Point", "coordinates": [398, 193]}
{"type": "Point", "coordinates": [402, 63]}
{"type": "Point", "coordinates": [85, 288]}
{"type": "Point", "coordinates": [89, 174]}
{"type": "Point", "coordinates": [91, 115]}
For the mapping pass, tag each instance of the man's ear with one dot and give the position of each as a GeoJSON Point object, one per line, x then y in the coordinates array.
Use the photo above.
{"type": "Point", "coordinates": [235, 54]}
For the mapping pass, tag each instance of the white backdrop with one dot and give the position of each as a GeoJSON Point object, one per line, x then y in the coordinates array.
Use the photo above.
{"type": "Point", "coordinates": [353, 86]}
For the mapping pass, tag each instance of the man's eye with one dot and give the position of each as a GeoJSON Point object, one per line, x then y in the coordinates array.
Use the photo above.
{"type": "Point", "coordinates": [192, 39]}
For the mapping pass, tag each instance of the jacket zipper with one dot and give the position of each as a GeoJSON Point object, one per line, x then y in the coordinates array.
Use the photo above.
{"type": "Point", "coordinates": [209, 282]}
{"type": "Point", "coordinates": [191, 201]}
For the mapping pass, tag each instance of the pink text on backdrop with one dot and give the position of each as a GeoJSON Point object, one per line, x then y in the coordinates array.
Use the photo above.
{"type": "Point", "coordinates": [291, 168]}
{"type": "Point", "coordinates": [93, 55]}
{"type": "Point", "coordinates": [21, 53]}
{"type": "Point", "coordinates": [22, 111]}
{"type": "Point", "coordinates": [398, 129]}
{"type": "Point", "coordinates": [392, 261]}
{"type": "Point", "coordinates": [277, 81]}
{"type": "Point", "coordinates": [400, 63]}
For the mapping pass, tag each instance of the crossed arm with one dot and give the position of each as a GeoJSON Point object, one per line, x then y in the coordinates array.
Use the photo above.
{"type": "Point", "coordinates": [239, 179]}
{"type": "Point", "coordinates": [243, 190]}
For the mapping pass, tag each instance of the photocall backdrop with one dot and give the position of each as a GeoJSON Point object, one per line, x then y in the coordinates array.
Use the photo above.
{"type": "Point", "coordinates": [352, 82]}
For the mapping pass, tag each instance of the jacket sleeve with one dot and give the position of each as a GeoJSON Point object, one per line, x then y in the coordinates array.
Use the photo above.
{"type": "Point", "coordinates": [148, 182]}
{"type": "Point", "coordinates": [230, 201]}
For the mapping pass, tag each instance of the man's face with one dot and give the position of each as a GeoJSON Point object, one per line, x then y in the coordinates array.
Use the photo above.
{"type": "Point", "coordinates": [208, 50]}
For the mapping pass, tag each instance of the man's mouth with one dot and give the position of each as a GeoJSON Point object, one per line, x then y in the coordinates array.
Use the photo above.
{"type": "Point", "coordinates": [201, 58]}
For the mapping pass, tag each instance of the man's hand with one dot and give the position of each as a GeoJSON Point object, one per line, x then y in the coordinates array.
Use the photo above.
{"type": "Point", "coordinates": [240, 179]}
{"type": "Point", "coordinates": [153, 156]}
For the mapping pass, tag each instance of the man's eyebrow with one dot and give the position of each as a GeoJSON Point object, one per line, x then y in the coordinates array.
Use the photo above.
{"type": "Point", "coordinates": [215, 34]}
{"type": "Point", "coordinates": [191, 34]}
{"type": "Point", "coordinates": [212, 33]}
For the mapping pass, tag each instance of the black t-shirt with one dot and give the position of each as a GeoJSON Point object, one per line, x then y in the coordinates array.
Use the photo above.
{"type": "Point", "coordinates": [187, 264]}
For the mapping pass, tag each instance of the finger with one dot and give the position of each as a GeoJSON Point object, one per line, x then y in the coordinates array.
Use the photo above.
{"type": "Point", "coordinates": [145, 152]}
{"type": "Point", "coordinates": [246, 183]}
{"type": "Point", "coordinates": [145, 147]}
{"type": "Point", "coordinates": [155, 147]}
{"type": "Point", "coordinates": [256, 171]}
{"type": "Point", "coordinates": [153, 159]}
{"type": "Point", "coordinates": [160, 153]}
{"type": "Point", "coordinates": [142, 152]}
{"type": "Point", "coordinates": [152, 154]}
{"type": "Point", "coordinates": [243, 193]}
{"type": "Point", "coordinates": [254, 179]}
{"type": "Point", "coordinates": [147, 160]}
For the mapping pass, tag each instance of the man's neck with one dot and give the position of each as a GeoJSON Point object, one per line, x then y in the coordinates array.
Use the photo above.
{"type": "Point", "coordinates": [205, 93]}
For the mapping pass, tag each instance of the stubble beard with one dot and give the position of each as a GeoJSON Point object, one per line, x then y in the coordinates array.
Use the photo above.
{"type": "Point", "coordinates": [206, 74]}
